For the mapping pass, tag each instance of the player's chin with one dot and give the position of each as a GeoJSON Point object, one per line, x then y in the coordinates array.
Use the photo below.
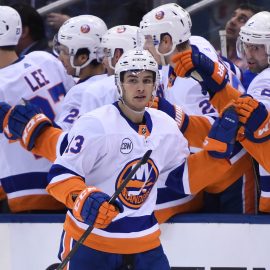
{"type": "Point", "coordinates": [140, 102]}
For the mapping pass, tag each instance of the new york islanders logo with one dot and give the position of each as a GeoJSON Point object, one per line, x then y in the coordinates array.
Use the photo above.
{"type": "Point", "coordinates": [85, 28]}
{"type": "Point", "coordinates": [121, 29]}
{"type": "Point", "coordinates": [139, 187]}
{"type": "Point", "coordinates": [160, 15]}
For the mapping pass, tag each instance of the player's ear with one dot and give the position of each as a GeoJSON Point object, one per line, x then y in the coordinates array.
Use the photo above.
{"type": "Point", "coordinates": [117, 54]}
{"type": "Point", "coordinates": [166, 39]}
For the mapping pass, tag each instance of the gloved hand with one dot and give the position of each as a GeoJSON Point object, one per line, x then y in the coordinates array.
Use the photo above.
{"type": "Point", "coordinates": [4, 108]}
{"type": "Point", "coordinates": [26, 122]}
{"type": "Point", "coordinates": [92, 208]}
{"type": "Point", "coordinates": [221, 138]}
{"type": "Point", "coordinates": [211, 75]}
{"type": "Point", "coordinates": [254, 117]}
{"type": "Point", "coordinates": [173, 111]}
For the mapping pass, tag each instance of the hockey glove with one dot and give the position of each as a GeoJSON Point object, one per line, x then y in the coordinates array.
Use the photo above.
{"type": "Point", "coordinates": [25, 122]}
{"type": "Point", "coordinates": [173, 111]}
{"type": "Point", "coordinates": [211, 75]}
{"type": "Point", "coordinates": [92, 208]}
{"type": "Point", "coordinates": [254, 117]}
{"type": "Point", "coordinates": [4, 108]}
{"type": "Point", "coordinates": [221, 138]}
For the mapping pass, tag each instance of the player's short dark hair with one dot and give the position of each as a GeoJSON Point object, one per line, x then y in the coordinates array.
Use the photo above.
{"type": "Point", "coordinates": [247, 6]}
{"type": "Point", "coordinates": [31, 18]}
{"type": "Point", "coordinates": [86, 51]}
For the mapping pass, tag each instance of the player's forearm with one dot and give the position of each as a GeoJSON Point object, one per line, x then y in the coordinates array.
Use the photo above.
{"type": "Point", "coordinates": [196, 131]}
{"type": "Point", "coordinates": [66, 191]}
{"type": "Point", "coordinates": [223, 97]}
{"type": "Point", "coordinates": [45, 144]}
{"type": "Point", "coordinates": [260, 151]}
{"type": "Point", "coordinates": [204, 170]}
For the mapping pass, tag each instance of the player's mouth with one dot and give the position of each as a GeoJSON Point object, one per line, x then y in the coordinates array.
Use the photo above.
{"type": "Point", "coordinates": [230, 31]}
{"type": "Point", "coordinates": [141, 97]}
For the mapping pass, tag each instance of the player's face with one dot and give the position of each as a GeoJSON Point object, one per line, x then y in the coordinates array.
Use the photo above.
{"type": "Point", "coordinates": [64, 57]}
{"type": "Point", "coordinates": [238, 19]}
{"type": "Point", "coordinates": [137, 89]}
{"type": "Point", "coordinates": [256, 57]}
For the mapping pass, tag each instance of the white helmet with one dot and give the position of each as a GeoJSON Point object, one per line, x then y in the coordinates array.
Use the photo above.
{"type": "Point", "coordinates": [136, 59]}
{"type": "Point", "coordinates": [10, 26]}
{"type": "Point", "coordinates": [125, 37]}
{"type": "Point", "coordinates": [79, 32]}
{"type": "Point", "coordinates": [168, 18]}
{"type": "Point", "coordinates": [257, 31]}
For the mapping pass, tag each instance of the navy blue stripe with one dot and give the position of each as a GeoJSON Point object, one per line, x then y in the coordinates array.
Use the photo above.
{"type": "Point", "coordinates": [57, 170]}
{"type": "Point", "coordinates": [147, 118]}
{"type": "Point", "coordinates": [32, 218]}
{"type": "Point", "coordinates": [237, 148]}
{"type": "Point", "coordinates": [265, 183]}
{"type": "Point", "coordinates": [175, 180]}
{"type": "Point", "coordinates": [24, 181]}
{"type": "Point", "coordinates": [185, 124]}
{"type": "Point", "coordinates": [132, 224]}
{"type": "Point", "coordinates": [64, 144]}
{"type": "Point", "coordinates": [168, 195]}
{"type": "Point", "coordinates": [183, 218]}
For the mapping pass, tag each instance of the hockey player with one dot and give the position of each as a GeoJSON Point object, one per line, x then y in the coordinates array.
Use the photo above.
{"type": "Point", "coordinates": [103, 146]}
{"type": "Point", "coordinates": [170, 28]}
{"type": "Point", "coordinates": [114, 42]}
{"type": "Point", "coordinates": [254, 36]}
{"type": "Point", "coordinates": [40, 78]}
{"type": "Point", "coordinates": [78, 42]}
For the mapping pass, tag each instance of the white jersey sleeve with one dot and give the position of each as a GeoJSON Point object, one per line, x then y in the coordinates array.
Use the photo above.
{"type": "Point", "coordinates": [101, 93]}
{"type": "Point", "coordinates": [72, 102]}
{"type": "Point", "coordinates": [259, 88]}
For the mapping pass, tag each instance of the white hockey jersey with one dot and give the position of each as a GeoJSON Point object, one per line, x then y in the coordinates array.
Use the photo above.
{"type": "Point", "coordinates": [100, 93]}
{"type": "Point", "coordinates": [102, 150]}
{"type": "Point", "coordinates": [259, 88]}
{"type": "Point", "coordinates": [40, 78]}
{"type": "Point", "coordinates": [72, 101]}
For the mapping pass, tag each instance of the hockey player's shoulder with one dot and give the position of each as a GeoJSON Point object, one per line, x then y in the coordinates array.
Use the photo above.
{"type": "Point", "coordinates": [161, 117]}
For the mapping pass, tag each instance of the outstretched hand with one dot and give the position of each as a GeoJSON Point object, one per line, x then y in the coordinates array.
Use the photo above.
{"type": "Point", "coordinates": [212, 76]}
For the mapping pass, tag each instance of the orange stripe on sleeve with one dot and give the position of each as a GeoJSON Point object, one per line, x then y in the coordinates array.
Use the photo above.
{"type": "Point", "coordinates": [3, 194]}
{"type": "Point", "coordinates": [236, 170]}
{"type": "Point", "coordinates": [204, 170]}
{"type": "Point", "coordinates": [223, 97]}
{"type": "Point", "coordinates": [64, 190]}
{"type": "Point", "coordinates": [45, 144]}
{"type": "Point", "coordinates": [194, 205]}
{"type": "Point", "coordinates": [260, 151]}
{"type": "Point", "coordinates": [264, 204]}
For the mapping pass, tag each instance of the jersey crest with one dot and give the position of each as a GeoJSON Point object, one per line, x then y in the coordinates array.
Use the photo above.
{"type": "Point", "coordinates": [139, 187]}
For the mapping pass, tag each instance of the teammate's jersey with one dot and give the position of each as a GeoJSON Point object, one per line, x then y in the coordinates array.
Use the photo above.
{"type": "Point", "coordinates": [72, 102]}
{"type": "Point", "coordinates": [40, 78]}
{"type": "Point", "coordinates": [104, 157]}
{"type": "Point", "coordinates": [100, 93]}
{"type": "Point", "coordinates": [259, 88]}
{"type": "Point", "coordinates": [186, 92]}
